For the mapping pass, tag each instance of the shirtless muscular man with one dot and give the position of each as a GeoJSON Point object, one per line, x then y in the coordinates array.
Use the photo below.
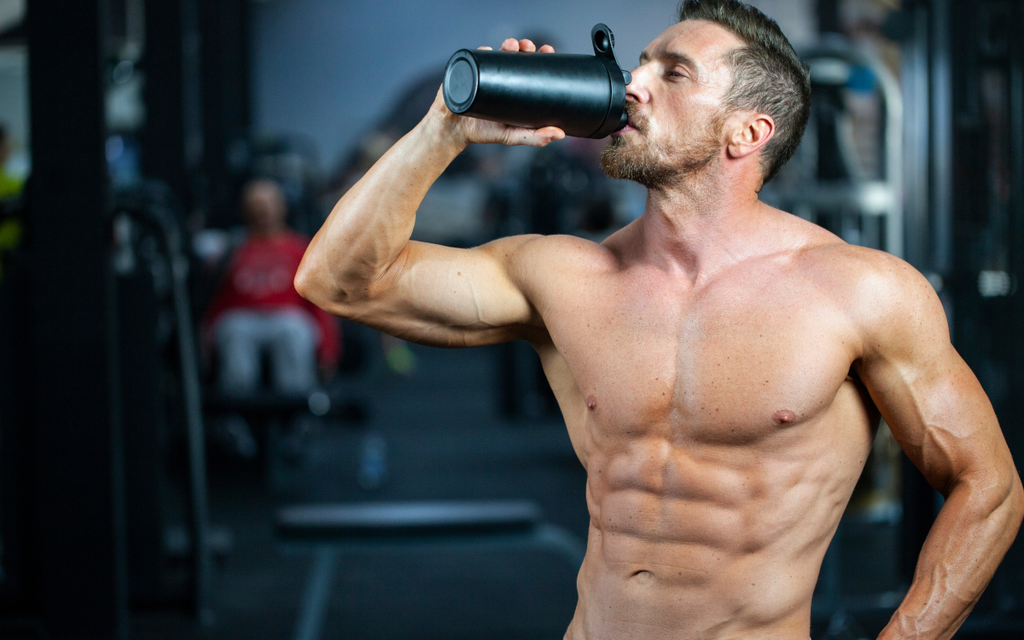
{"type": "Point", "coordinates": [721, 365]}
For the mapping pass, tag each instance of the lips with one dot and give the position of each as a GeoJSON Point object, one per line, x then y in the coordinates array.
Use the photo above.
{"type": "Point", "coordinates": [630, 126]}
{"type": "Point", "coordinates": [634, 121]}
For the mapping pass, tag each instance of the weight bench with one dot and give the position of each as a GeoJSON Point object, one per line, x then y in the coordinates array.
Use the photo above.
{"type": "Point", "coordinates": [317, 403]}
{"type": "Point", "coordinates": [331, 528]}
{"type": "Point", "coordinates": [267, 413]}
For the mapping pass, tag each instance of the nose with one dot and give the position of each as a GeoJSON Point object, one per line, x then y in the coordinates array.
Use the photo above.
{"type": "Point", "coordinates": [636, 91]}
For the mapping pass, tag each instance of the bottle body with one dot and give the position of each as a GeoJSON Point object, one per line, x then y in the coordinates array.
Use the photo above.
{"type": "Point", "coordinates": [583, 95]}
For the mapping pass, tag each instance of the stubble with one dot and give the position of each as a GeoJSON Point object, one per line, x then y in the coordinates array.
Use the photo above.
{"type": "Point", "coordinates": [654, 164]}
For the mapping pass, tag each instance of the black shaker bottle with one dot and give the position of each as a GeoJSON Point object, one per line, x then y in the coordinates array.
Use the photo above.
{"type": "Point", "coordinates": [585, 96]}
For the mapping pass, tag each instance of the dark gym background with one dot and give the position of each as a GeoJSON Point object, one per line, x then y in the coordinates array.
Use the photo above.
{"type": "Point", "coordinates": [132, 124]}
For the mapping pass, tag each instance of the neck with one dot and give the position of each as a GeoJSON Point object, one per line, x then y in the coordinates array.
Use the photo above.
{"type": "Point", "coordinates": [703, 223]}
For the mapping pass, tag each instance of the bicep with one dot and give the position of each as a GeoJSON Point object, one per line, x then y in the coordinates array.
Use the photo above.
{"type": "Point", "coordinates": [929, 397]}
{"type": "Point", "coordinates": [444, 296]}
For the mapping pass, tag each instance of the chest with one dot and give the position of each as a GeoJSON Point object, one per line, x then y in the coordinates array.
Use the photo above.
{"type": "Point", "coordinates": [734, 361]}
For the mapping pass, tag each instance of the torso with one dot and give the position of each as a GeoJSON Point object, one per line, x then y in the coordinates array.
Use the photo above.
{"type": "Point", "coordinates": [722, 432]}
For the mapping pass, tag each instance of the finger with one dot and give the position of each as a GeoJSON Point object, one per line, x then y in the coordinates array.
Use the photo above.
{"type": "Point", "coordinates": [527, 46]}
{"type": "Point", "coordinates": [534, 137]}
{"type": "Point", "coordinates": [510, 44]}
{"type": "Point", "coordinates": [550, 134]}
{"type": "Point", "coordinates": [485, 48]}
{"type": "Point", "coordinates": [546, 49]}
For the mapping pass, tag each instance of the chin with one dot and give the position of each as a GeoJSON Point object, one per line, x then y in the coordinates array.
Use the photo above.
{"type": "Point", "coordinates": [627, 160]}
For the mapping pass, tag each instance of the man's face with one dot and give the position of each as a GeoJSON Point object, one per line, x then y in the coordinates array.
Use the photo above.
{"type": "Point", "coordinates": [675, 106]}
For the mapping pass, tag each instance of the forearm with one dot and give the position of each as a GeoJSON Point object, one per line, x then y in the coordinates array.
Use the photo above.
{"type": "Point", "coordinates": [971, 535]}
{"type": "Point", "coordinates": [372, 223]}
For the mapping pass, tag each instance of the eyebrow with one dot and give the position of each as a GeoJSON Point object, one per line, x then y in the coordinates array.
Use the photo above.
{"type": "Point", "coordinates": [675, 58]}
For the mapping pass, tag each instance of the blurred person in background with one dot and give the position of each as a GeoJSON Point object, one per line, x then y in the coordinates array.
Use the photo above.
{"type": "Point", "coordinates": [256, 313]}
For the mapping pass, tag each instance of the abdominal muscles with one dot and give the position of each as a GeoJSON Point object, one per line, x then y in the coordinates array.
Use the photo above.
{"type": "Point", "coordinates": [708, 541]}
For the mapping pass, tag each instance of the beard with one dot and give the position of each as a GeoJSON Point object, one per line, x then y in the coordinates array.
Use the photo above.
{"type": "Point", "coordinates": [654, 164]}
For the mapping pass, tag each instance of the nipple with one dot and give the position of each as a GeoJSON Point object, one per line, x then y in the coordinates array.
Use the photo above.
{"type": "Point", "coordinates": [591, 403]}
{"type": "Point", "coordinates": [782, 416]}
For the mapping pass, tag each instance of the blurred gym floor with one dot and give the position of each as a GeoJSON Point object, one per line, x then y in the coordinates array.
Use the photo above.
{"type": "Point", "coordinates": [444, 441]}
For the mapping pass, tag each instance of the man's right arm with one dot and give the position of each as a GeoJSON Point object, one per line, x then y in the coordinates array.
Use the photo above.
{"type": "Point", "coordinates": [362, 265]}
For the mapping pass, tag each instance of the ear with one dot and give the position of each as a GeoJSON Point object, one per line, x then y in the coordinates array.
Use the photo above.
{"type": "Point", "coordinates": [750, 132]}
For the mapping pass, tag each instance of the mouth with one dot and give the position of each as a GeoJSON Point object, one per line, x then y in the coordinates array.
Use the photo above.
{"type": "Point", "coordinates": [630, 126]}
{"type": "Point", "coordinates": [633, 121]}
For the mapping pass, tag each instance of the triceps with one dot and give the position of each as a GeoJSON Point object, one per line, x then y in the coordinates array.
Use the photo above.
{"type": "Point", "coordinates": [452, 298]}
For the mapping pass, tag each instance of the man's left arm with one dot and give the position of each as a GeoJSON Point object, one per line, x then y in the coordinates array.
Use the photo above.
{"type": "Point", "coordinates": [943, 420]}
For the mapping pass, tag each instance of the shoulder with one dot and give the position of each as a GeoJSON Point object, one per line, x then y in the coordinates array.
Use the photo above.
{"type": "Point", "coordinates": [532, 257]}
{"type": "Point", "coordinates": [860, 273]}
{"type": "Point", "coordinates": [549, 271]}
{"type": "Point", "coordinates": [888, 301]}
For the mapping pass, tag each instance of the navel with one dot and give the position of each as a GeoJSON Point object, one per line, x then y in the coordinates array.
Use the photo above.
{"type": "Point", "coordinates": [591, 402]}
{"type": "Point", "coordinates": [782, 416]}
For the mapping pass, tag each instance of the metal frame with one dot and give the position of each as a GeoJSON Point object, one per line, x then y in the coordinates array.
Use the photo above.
{"type": "Point", "coordinates": [80, 566]}
{"type": "Point", "coordinates": [873, 197]}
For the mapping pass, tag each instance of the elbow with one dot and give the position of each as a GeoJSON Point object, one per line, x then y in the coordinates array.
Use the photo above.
{"type": "Point", "coordinates": [1011, 495]}
{"type": "Point", "coordinates": [1015, 501]}
{"type": "Point", "coordinates": [324, 289]}
{"type": "Point", "coordinates": [310, 284]}
{"type": "Point", "coordinates": [346, 286]}
{"type": "Point", "coordinates": [1005, 502]}
{"type": "Point", "coordinates": [1010, 512]}
{"type": "Point", "coordinates": [304, 283]}
{"type": "Point", "coordinates": [995, 492]}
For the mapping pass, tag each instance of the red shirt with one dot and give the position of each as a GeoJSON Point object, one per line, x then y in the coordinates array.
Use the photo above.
{"type": "Point", "coordinates": [260, 278]}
